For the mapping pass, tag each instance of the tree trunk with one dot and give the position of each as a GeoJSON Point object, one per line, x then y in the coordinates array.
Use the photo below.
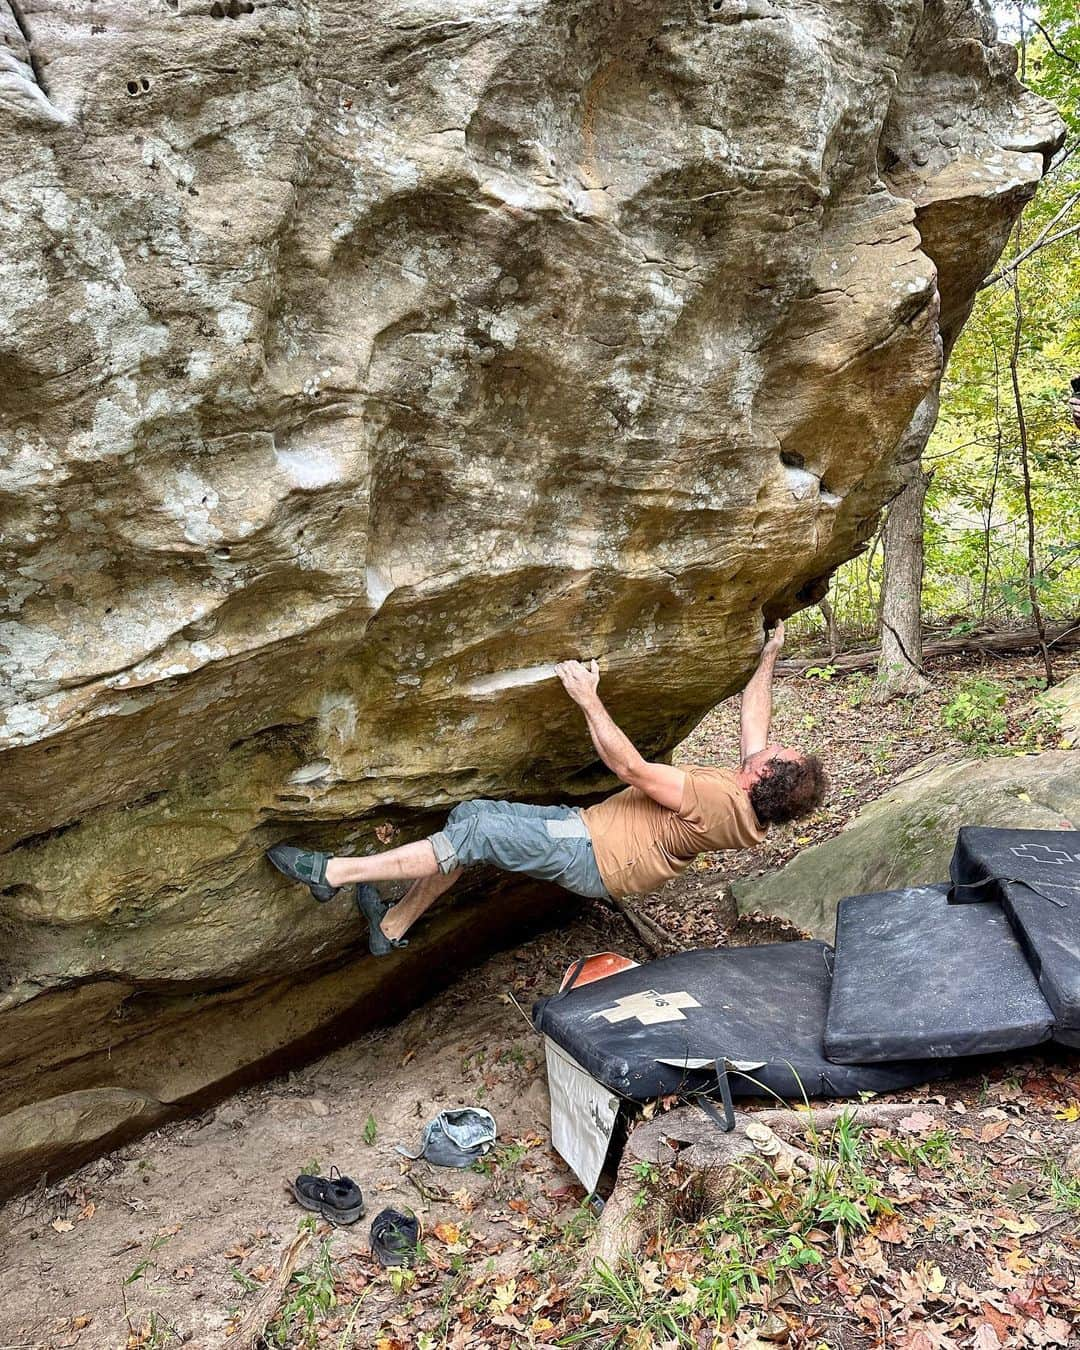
{"type": "Point", "coordinates": [900, 667]}
{"type": "Point", "coordinates": [829, 615]}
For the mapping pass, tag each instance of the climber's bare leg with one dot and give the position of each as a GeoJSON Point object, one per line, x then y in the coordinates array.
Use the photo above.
{"type": "Point", "coordinates": [417, 900]}
{"type": "Point", "coordinates": [410, 862]}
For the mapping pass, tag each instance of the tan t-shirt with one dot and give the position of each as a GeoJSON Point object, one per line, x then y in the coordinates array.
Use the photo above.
{"type": "Point", "coordinates": [640, 844]}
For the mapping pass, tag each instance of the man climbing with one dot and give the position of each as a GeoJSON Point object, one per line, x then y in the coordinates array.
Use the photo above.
{"type": "Point", "coordinates": [631, 842]}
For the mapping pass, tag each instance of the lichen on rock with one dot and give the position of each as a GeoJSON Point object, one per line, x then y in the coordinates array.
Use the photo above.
{"type": "Point", "coordinates": [363, 360]}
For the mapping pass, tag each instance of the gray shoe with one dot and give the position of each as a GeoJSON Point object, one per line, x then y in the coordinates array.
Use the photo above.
{"type": "Point", "coordinates": [305, 866]}
{"type": "Point", "coordinates": [374, 911]}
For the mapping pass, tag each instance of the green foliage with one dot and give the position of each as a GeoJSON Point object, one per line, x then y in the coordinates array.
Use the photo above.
{"type": "Point", "coordinates": [975, 531]}
{"type": "Point", "coordinates": [1064, 1190]}
{"type": "Point", "coordinates": [976, 713]}
{"type": "Point", "coordinates": [370, 1131]}
{"type": "Point", "coordinates": [1042, 723]}
{"type": "Point", "coordinates": [750, 1235]}
{"type": "Point", "coordinates": [819, 672]}
{"type": "Point", "coordinates": [311, 1297]}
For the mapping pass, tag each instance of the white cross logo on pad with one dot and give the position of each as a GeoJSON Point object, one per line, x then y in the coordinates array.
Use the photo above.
{"type": "Point", "coordinates": [1043, 853]}
{"type": "Point", "coordinates": [649, 1007]}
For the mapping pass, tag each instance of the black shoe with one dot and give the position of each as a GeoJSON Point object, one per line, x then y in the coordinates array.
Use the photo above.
{"type": "Point", "coordinates": [374, 911]}
{"type": "Point", "coordinates": [336, 1198]}
{"type": "Point", "coordinates": [305, 866]}
{"type": "Point", "coordinates": [394, 1237]}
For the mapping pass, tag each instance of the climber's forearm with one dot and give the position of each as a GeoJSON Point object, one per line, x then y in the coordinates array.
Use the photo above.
{"type": "Point", "coordinates": [613, 745]}
{"type": "Point", "coordinates": [756, 708]}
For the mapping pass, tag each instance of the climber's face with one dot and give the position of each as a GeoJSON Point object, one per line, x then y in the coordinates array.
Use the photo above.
{"type": "Point", "coordinates": [755, 766]}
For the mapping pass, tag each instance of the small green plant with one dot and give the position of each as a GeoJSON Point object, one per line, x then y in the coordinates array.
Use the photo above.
{"type": "Point", "coordinates": [819, 672]}
{"type": "Point", "coordinates": [857, 688]}
{"type": "Point", "coordinates": [311, 1297]}
{"type": "Point", "coordinates": [1042, 722]}
{"type": "Point", "coordinates": [976, 713]}
{"type": "Point", "coordinates": [370, 1131]}
{"type": "Point", "coordinates": [155, 1333]}
{"type": "Point", "coordinates": [646, 1175]}
{"type": "Point", "coordinates": [1064, 1189]}
{"type": "Point", "coordinates": [933, 1151]}
{"type": "Point", "coordinates": [144, 1265]}
{"type": "Point", "coordinates": [244, 1280]}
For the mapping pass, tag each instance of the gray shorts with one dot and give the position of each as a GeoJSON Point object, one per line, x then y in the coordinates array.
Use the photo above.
{"type": "Point", "coordinates": [550, 843]}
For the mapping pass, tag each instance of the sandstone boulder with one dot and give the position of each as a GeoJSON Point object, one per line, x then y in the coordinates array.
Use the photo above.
{"type": "Point", "coordinates": [906, 837]}
{"type": "Point", "coordinates": [361, 360]}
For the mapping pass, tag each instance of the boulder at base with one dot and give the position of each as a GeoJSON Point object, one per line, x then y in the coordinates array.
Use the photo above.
{"type": "Point", "coordinates": [361, 360]}
{"type": "Point", "coordinates": [906, 838]}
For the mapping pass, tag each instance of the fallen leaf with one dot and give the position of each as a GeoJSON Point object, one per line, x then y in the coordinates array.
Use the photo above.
{"type": "Point", "coordinates": [919, 1122]}
{"type": "Point", "coordinates": [449, 1233]}
{"type": "Point", "coordinates": [1021, 1227]}
{"type": "Point", "coordinates": [464, 1201]}
{"type": "Point", "coordinates": [88, 1211]}
{"type": "Point", "coordinates": [993, 1131]}
{"type": "Point", "coordinates": [62, 1225]}
{"type": "Point", "coordinates": [892, 1230]}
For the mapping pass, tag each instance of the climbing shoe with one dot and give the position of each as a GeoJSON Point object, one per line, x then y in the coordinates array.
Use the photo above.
{"type": "Point", "coordinates": [394, 1237]}
{"type": "Point", "coordinates": [336, 1198]}
{"type": "Point", "coordinates": [373, 910]}
{"type": "Point", "coordinates": [305, 866]}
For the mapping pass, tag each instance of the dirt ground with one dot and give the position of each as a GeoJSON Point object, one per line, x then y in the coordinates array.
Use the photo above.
{"type": "Point", "coordinates": [171, 1239]}
{"type": "Point", "coordinates": [185, 1221]}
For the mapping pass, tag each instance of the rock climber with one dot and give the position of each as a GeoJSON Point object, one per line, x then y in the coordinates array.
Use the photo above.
{"type": "Point", "coordinates": [633, 841]}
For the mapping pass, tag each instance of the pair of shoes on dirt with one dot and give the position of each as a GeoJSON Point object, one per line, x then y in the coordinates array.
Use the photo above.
{"type": "Point", "coordinates": [394, 1235]}
{"type": "Point", "coordinates": [336, 1198]}
{"type": "Point", "coordinates": [309, 868]}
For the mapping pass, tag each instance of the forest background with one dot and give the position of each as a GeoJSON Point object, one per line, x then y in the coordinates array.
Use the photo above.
{"type": "Point", "coordinates": [977, 567]}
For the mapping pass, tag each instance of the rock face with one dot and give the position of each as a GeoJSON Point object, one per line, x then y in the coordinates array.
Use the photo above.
{"type": "Point", "coordinates": [363, 359]}
{"type": "Point", "coordinates": [906, 837]}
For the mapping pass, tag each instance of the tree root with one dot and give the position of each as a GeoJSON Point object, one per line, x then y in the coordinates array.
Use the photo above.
{"type": "Point", "coordinates": [621, 1230]}
{"type": "Point", "coordinates": [252, 1329]}
{"type": "Point", "coordinates": [710, 1164]}
{"type": "Point", "coordinates": [658, 940]}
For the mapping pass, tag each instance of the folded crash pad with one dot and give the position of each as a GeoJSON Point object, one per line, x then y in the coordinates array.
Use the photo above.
{"type": "Point", "coordinates": [659, 1028]}
{"type": "Point", "coordinates": [1035, 874]}
{"type": "Point", "coordinates": [917, 978]}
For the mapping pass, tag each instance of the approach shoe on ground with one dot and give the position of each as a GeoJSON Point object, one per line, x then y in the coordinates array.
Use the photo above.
{"type": "Point", "coordinates": [373, 911]}
{"type": "Point", "coordinates": [336, 1198]}
{"type": "Point", "coordinates": [394, 1237]}
{"type": "Point", "coordinates": [306, 866]}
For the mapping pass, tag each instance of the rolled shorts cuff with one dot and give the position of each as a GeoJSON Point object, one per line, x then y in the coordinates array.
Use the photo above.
{"type": "Point", "coordinates": [445, 853]}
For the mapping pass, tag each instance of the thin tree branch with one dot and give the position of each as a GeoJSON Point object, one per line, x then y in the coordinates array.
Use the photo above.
{"type": "Point", "coordinates": [1050, 41]}
{"type": "Point", "coordinates": [1040, 241]}
{"type": "Point", "coordinates": [1029, 509]}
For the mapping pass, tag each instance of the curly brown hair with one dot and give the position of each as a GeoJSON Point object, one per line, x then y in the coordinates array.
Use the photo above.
{"type": "Point", "coordinates": [788, 788]}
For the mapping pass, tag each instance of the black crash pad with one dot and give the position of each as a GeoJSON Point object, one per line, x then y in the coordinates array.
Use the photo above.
{"type": "Point", "coordinates": [1036, 876]}
{"type": "Point", "coordinates": [918, 978]}
{"type": "Point", "coordinates": [764, 1006]}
